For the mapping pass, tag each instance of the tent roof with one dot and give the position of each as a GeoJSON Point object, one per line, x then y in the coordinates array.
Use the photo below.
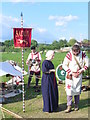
{"type": "Point", "coordinates": [7, 68]}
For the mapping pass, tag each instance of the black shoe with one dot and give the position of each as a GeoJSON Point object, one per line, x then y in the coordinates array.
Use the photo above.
{"type": "Point", "coordinates": [35, 87]}
{"type": "Point", "coordinates": [37, 90]}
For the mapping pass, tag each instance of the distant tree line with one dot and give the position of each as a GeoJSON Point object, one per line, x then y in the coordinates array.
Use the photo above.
{"type": "Point", "coordinates": [8, 45]}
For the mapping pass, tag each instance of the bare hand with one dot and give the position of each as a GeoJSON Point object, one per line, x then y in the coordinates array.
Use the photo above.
{"type": "Point", "coordinates": [27, 62]}
{"type": "Point", "coordinates": [52, 70]}
{"type": "Point", "coordinates": [75, 74]}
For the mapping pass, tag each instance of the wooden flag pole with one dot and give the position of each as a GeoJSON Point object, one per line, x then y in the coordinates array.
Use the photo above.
{"type": "Point", "coordinates": [23, 68]}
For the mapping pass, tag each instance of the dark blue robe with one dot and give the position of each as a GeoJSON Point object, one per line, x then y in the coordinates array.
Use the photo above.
{"type": "Point", "coordinates": [49, 87]}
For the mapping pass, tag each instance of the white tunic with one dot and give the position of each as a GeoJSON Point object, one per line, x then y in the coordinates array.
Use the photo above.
{"type": "Point", "coordinates": [35, 66]}
{"type": "Point", "coordinates": [73, 87]}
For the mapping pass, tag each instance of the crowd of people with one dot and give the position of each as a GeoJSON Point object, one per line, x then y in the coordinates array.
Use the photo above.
{"type": "Point", "coordinates": [75, 63]}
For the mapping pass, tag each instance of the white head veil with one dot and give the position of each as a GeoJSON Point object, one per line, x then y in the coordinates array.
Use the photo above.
{"type": "Point", "coordinates": [49, 53]}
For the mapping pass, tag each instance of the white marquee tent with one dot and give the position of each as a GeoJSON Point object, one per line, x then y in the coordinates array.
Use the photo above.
{"type": "Point", "coordinates": [8, 68]}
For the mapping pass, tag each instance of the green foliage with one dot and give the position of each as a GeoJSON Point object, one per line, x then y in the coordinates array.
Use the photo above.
{"type": "Point", "coordinates": [34, 43]}
{"type": "Point", "coordinates": [8, 45]}
{"type": "Point", "coordinates": [2, 44]}
{"type": "Point", "coordinates": [2, 48]}
{"type": "Point", "coordinates": [63, 43]}
{"type": "Point", "coordinates": [86, 41]}
{"type": "Point", "coordinates": [72, 42]}
{"type": "Point", "coordinates": [41, 47]}
{"type": "Point", "coordinates": [55, 45]}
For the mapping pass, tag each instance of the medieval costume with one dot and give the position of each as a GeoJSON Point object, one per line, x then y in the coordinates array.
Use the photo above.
{"type": "Point", "coordinates": [33, 61]}
{"type": "Point", "coordinates": [74, 65]}
{"type": "Point", "coordinates": [49, 87]}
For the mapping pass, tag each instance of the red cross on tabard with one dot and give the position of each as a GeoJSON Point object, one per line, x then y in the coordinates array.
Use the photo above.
{"type": "Point", "coordinates": [68, 86]}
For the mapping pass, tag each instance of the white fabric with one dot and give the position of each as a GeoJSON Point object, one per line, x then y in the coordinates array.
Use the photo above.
{"type": "Point", "coordinates": [73, 87]}
{"type": "Point", "coordinates": [35, 55]}
{"type": "Point", "coordinates": [14, 80]}
{"type": "Point", "coordinates": [49, 53]}
{"type": "Point", "coordinates": [77, 44]}
{"type": "Point", "coordinates": [12, 94]}
{"type": "Point", "coordinates": [7, 68]}
{"type": "Point", "coordinates": [20, 69]}
{"type": "Point", "coordinates": [36, 66]}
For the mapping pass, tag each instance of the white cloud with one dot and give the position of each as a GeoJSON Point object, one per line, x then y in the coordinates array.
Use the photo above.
{"type": "Point", "coordinates": [8, 21]}
{"type": "Point", "coordinates": [62, 20]}
{"type": "Point", "coordinates": [41, 30]}
{"type": "Point", "coordinates": [60, 23]}
{"type": "Point", "coordinates": [42, 35]}
{"type": "Point", "coordinates": [13, 19]}
{"type": "Point", "coordinates": [9, 18]}
{"type": "Point", "coordinates": [72, 38]}
{"type": "Point", "coordinates": [62, 38]}
{"type": "Point", "coordinates": [70, 18]}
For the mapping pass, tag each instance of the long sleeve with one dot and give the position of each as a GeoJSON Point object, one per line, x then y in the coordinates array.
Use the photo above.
{"type": "Point", "coordinates": [39, 57]}
{"type": "Point", "coordinates": [45, 67]}
{"type": "Point", "coordinates": [85, 62]}
{"type": "Point", "coordinates": [29, 57]}
{"type": "Point", "coordinates": [66, 62]}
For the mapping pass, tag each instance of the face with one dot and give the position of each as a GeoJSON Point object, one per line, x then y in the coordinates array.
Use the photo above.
{"type": "Point", "coordinates": [52, 56]}
{"type": "Point", "coordinates": [76, 52]}
{"type": "Point", "coordinates": [33, 50]}
{"type": "Point", "coordinates": [60, 67]}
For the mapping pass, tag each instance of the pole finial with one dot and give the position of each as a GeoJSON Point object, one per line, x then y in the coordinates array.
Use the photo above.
{"type": "Point", "coordinates": [21, 14]}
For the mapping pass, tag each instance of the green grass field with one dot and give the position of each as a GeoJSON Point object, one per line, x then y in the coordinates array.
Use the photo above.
{"type": "Point", "coordinates": [33, 100]}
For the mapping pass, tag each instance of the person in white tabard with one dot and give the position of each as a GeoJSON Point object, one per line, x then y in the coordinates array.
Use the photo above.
{"type": "Point", "coordinates": [75, 63]}
{"type": "Point", "coordinates": [33, 61]}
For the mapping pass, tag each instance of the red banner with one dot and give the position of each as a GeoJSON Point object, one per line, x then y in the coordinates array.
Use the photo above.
{"type": "Point", "coordinates": [22, 37]}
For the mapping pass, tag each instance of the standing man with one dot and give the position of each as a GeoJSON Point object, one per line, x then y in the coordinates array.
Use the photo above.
{"type": "Point", "coordinates": [33, 61]}
{"type": "Point", "coordinates": [75, 63]}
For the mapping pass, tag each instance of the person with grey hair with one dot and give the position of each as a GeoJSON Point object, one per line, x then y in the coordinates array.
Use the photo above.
{"type": "Point", "coordinates": [75, 63]}
{"type": "Point", "coordinates": [49, 84]}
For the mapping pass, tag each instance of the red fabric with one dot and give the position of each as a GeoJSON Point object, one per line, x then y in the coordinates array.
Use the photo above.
{"type": "Point", "coordinates": [69, 56]}
{"type": "Point", "coordinates": [35, 54]}
{"type": "Point", "coordinates": [83, 55]}
{"type": "Point", "coordinates": [22, 37]}
{"type": "Point", "coordinates": [31, 56]}
{"type": "Point", "coordinates": [38, 56]}
{"type": "Point", "coordinates": [69, 86]}
{"type": "Point", "coordinates": [85, 67]}
{"type": "Point", "coordinates": [68, 71]}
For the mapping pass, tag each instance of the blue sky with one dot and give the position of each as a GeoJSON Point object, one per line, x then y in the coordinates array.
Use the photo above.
{"type": "Point", "coordinates": [50, 20]}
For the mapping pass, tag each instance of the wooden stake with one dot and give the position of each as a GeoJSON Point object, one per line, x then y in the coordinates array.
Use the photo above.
{"type": "Point", "coordinates": [11, 113]}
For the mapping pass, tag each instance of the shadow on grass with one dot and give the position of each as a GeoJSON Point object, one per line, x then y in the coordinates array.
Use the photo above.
{"type": "Point", "coordinates": [85, 103]}
{"type": "Point", "coordinates": [29, 94]}
{"type": "Point", "coordinates": [61, 107]}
